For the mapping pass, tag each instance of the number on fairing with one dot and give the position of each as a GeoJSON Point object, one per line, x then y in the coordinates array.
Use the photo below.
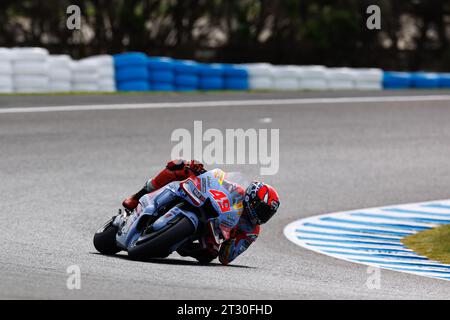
{"type": "Point", "coordinates": [223, 204]}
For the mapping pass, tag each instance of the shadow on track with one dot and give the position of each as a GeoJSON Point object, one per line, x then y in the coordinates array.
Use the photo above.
{"type": "Point", "coordinates": [173, 261]}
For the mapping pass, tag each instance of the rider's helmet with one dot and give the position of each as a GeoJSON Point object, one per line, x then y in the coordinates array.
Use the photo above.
{"type": "Point", "coordinates": [261, 202]}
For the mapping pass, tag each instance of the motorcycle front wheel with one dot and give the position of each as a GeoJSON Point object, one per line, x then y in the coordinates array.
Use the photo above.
{"type": "Point", "coordinates": [158, 244]}
{"type": "Point", "coordinates": [105, 239]}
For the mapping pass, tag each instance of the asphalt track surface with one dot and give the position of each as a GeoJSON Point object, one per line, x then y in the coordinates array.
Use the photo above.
{"type": "Point", "coordinates": [63, 174]}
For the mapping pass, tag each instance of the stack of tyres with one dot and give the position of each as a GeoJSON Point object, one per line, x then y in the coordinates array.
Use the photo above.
{"type": "Point", "coordinates": [105, 71]}
{"type": "Point", "coordinates": [30, 69]}
{"type": "Point", "coordinates": [444, 80]}
{"type": "Point", "coordinates": [60, 73]}
{"type": "Point", "coordinates": [6, 71]}
{"type": "Point", "coordinates": [85, 75]}
{"type": "Point", "coordinates": [397, 80]}
{"type": "Point", "coordinates": [235, 77]}
{"type": "Point", "coordinates": [260, 76]}
{"type": "Point", "coordinates": [286, 78]}
{"type": "Point", "coordinates": [161, 72]}
{"type": "Point", "coordinates": [211, 76]}
{"type": "Point", "coordinates": [131, 72]}
{"type": "Point", "coordinates": [313, 78]}
{"type": "Point", "coordinates": [186, 75]}
{"type": "Point", "coordinates": [425, 80]}
{"type": "Point", "coordinates": [368, 79]}
{"type": "Point", "coordinates": [341, 79]}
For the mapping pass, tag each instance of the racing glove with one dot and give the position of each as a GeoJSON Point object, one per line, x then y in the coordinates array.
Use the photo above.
{"type": "Point", "coordinates": [183, 165]}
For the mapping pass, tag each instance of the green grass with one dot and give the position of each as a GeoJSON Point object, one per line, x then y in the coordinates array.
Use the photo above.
{"type": "Point", "coordinates": [433, 243]}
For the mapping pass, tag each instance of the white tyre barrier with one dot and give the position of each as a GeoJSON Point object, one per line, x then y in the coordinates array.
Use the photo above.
{"type": "Point", "coordinates": [313, 72]}
{"type": "Point", "coordinates": [260, 83]}
{"type": "Point", "coordinates": [29, 54]}
{"type": "Point", "coordinates": [106, 85]}
{"type": "Point", "coordinates": [105, 72]}
{"type": "Point", "coordinates": [313, 84]}
{"type": "Point", "coordinates": [57, 75]}
{"type": "Point", "coordinates": [60, 73]}
{"type": "Point", "coordinates": [286, 84]}
{"type": "Point", "coordinates": [368, 74]}
{"type": "Point", "coordinates": [23, 67]}
{"type": "Point", "coordinates": [5, 68]}
{"type": "Point", "coordinates": [368, 79]}
{"type": "Point", "coordinates": [60, 61]}
{"type": "Point", "coordinates": [341, 85]}
{"type": "Point", "coordinates": [313, 78]}
{"type": "Point", "coordinates": [341, 79]}
{"type": "Point", "coordinates": [6, 82]}
{"type": "Point", "coordinates": [30, 69]}
{"type": "Point", "coordinates": [85, 76]}
{"type": "Point", "coordinates": [5, 54]}
{"type": "Point", "coordinates": [40, 82]}
{"type": "Point", "coordinates": [286, 77]}
{"type": "Point", "coordinates": [260, 76]}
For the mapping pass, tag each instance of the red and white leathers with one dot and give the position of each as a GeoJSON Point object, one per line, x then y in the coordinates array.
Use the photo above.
{"type": "Point", "coordinates": [242, 235]}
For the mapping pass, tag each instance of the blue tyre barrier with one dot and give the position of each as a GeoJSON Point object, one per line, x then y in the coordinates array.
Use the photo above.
{"type": "Point", "coordinates": [211, 70]}
{"type": "Point", "coordinates": [162, 76]}
{"type": "Point", "coordinates": [131, 73]}
{"type": "Point", "coordinates": [444, 80]}
{"type": "Point", "coordinates": [160, 63]}
{"type": "Point", "coordinates": [130, 59]}
{"type": "Point", "coordinates": [186, 67]}
{"type": "Point", "coordinates": [134, 86]}
{"type": "Point", "coordinates": [163, 87]}
{"type": "Point", "coordinates": [186, 80]}
{"type": "Point", "coordinates": [396, 80]}
{"type": "Point", "coordinates": [238, 83]}
{"type": "Point", "coordinates": [211, 83]}
{"type": "Point", "coordinates": [425, 80]}
{"type": "Point", "coordinates": [235, 71]}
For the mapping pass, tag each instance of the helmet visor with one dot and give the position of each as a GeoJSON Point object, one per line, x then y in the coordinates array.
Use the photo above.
{"type": "Point", "coordinates": [264, 212]}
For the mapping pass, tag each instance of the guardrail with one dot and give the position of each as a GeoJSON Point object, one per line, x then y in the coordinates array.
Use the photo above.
{"type": "Point", "coordinates": [35, 70]}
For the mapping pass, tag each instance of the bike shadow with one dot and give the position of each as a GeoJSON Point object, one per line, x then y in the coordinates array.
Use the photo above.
{"type": "Point", "coordinates": [174, 261]}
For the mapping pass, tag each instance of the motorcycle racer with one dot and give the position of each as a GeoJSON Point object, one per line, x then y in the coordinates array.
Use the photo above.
{"type": "Point", "coordinates": [257, 204]}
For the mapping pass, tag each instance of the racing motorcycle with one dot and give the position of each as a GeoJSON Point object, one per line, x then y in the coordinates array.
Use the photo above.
{"type": "Point", "coordinates": [177, 214]}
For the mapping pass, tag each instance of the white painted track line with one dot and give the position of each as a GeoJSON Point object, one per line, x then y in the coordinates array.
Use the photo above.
{"type": "Point", "coordinates": [225, 103]}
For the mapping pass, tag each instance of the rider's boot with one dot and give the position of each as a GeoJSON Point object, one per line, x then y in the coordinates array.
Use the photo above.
{"type": "Point", "coordinates": [132, 201]}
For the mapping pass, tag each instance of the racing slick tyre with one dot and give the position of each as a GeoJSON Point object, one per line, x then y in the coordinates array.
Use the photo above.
{"type": "Point", "coordinates": [105, 239]}
{"type": "Point", "coordinates": [157, 244]}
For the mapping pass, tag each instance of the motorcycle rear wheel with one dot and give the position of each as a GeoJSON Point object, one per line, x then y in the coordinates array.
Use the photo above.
{"type": "Point", "coordinates": [158, 244]}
